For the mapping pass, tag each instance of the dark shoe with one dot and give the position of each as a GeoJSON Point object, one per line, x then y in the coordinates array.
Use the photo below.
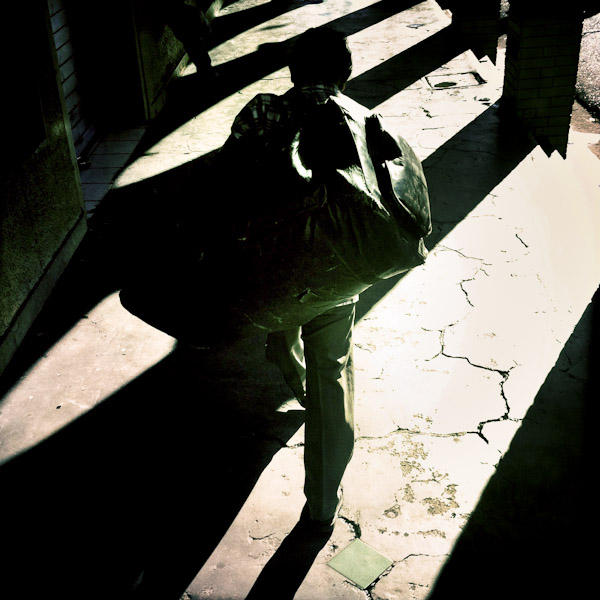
{"type": "Point", "coordinates": [321, 525]}
{"type": "Point", "coordinates": [301, 400]}
{"type": "Point", "coordinates": [316, 526]}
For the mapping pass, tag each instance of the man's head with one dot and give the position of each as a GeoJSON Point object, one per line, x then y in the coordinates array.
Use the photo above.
{"type": "Point", "coordinates": [321, 55]}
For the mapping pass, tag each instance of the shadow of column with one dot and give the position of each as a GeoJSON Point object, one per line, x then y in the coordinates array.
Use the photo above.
{"type": "Point", "coordinates": [190, 96]}
{"type": "Point", "coordinates": [402, 70]}
{"type": "Point", "coordinates": [149, 480]}
{"type": "Point", "coordinates": [529, 535]}
{"type": "Point", "coordinates": [286, 570]}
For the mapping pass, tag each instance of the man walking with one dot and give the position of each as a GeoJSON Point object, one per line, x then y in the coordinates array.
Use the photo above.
{"type": "Point", "coordinates": [316, 358]}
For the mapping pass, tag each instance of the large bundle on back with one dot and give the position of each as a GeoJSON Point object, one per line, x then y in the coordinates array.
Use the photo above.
{"type": "Point", "coordinates": [342, 206]}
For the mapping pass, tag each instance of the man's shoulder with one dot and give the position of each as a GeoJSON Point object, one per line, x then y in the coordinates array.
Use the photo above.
{"type": "Point", "coordinates": [267, 106]}
{"type": "Point", "coordinates": [263, 115]}
{"type": "Point", "coordinates": [270, 98]}
{"type": "Point", "coordinates": [291, 99]}
{"type": "Point", "coordinates": [354, 108]}
{"type": "Point", "coordinates": [264, 99]}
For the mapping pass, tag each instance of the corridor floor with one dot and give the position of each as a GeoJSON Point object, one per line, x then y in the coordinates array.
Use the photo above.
{"type": "Point", "coordinates": [474, 372]}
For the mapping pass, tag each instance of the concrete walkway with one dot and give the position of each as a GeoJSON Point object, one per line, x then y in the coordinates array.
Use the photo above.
{"type": "Point", "coordinates": [176, 472]}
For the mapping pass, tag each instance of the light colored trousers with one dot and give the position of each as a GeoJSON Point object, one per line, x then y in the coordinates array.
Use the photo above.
{"type": "Point", "coordinates": [318, 357]}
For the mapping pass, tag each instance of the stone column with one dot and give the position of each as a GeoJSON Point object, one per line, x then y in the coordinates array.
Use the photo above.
{"type": "Point", "coordinates": [477, 22]}
{"type": "Point", "coordinates": [542, 57]}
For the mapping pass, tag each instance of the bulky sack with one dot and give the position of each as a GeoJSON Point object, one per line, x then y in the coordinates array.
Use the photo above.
{"type": "Point", "coordinates": [341, 207]}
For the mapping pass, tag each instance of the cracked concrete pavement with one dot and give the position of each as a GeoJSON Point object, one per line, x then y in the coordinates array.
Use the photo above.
{"type": "Point", "coordinates": [472, 371]}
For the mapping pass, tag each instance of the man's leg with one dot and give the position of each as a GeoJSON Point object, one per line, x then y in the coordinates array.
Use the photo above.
{"type": "Point", "coordinates": [329, 421]}
{"type": "Point", "coordinates": [286, 350]}
{"type": "Point", "coordinates": [190, 26]}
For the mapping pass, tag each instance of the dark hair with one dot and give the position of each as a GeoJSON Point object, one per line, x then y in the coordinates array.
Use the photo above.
{"type": "Point", "coordinates": [320, 55]}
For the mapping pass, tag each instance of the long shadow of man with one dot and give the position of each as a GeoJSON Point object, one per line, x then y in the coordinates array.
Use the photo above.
{"type": "Point", "coordinates": [146, 484]}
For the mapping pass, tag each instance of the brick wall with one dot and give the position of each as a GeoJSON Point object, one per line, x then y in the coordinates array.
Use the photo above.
{"type": "Point", "coordinates": [477, 21]}
{"type": "Point", "coordinates": [542, 57]}
{"type": "Point", "coordinates": [82, 127]}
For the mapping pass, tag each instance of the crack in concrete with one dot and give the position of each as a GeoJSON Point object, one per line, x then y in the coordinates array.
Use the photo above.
{"type": "Point", "coordinates": [481, 269]}
{"type": "Point", "coordinates": [260, 538]}
{"type": "Point", "coordinates": [521, 240]}
{"type": "Point", "coordinates": [291, 446]}
{"type": "Point", "coordinates": [465, 291]}
{"type": "Point", "coordinates": [353, 525]}
{"type": "Point", "coordinates": [368, 594]}
{"type": "Point", "coordinates": [504, 378]}
{"type": "Point", "coordinates": [462, 254]}
{"type": "Point", "coordinates": [578, 378]}
{"type": "Point", "coordinates": [504, 375]}
{"type": "Point", "coordinates": [501, 372]}
{"type": "Point", "coordinates": [369, 589]}
{"type": "Point", "coordinates": [416, 584]}
{"type": "Point", "coordinates": [411, 432]}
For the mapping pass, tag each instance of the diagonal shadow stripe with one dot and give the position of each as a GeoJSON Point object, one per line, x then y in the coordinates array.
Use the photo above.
{"type": "Point", "coordinates": [529, 530]}
{"type": "Point", "coordinates": [247, 69]}
{"type": "Point", "coordinates": [405, 68]}
{"type": "Point", "coordinates": [189, 96]}
{"type": "Point", "coordinates": [149, 479]}
{"type": "Point", "coordinates": [229, 25]}
{"type": "Point", "coordinates": [118, 447]}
